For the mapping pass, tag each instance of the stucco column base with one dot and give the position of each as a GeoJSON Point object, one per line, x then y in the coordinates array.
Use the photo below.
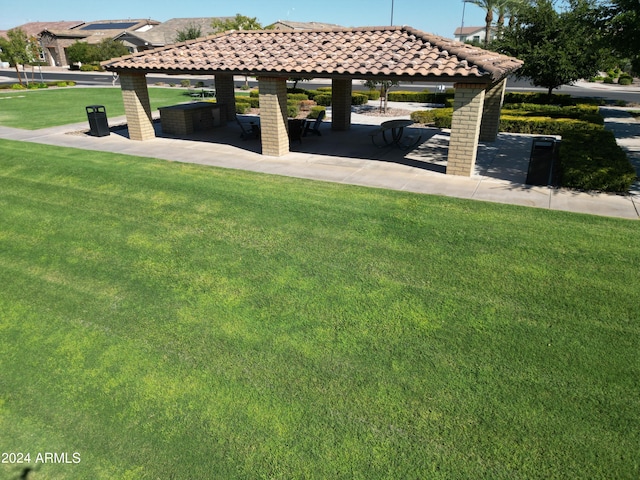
{"type": "Point", "coordinates": [493, 98]}
{"type": "Point", "coordinates": [137, 107]}
{"type": "Point", "coordinates": [273, 116]}
{"type": "Point", "coordinates": [465, 128]}
{"type": "Point", "coordinates": [340, 104]}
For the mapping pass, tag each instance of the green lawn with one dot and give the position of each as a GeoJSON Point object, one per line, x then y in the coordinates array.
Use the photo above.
{"type": "Point", "coordinates": [34, 109]}
{"type": "Point", "coordinates": [167, 320]}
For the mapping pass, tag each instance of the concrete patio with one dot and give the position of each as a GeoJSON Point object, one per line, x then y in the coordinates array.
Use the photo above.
{"type": "Point", "coordinates": [350, 157]}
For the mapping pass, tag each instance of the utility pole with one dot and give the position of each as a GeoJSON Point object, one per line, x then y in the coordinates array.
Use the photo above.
{"type": "Point", "coordinates": [392, 13]}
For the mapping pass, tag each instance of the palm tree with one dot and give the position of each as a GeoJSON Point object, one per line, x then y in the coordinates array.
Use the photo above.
{"type": "Point", "coordinates": [488, 6]}
{"type": "Point", "coordinates": [502, 7]}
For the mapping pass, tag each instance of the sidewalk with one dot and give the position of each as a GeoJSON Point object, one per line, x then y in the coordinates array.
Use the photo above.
{"type": "Point", "coordinates": [351, 158]}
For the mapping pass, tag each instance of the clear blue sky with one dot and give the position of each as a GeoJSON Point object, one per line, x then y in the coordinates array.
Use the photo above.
{"type": "Point", "coordinates": [441, 17]}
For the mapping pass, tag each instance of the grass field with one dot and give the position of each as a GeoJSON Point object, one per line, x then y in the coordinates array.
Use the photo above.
{"type": "Point", "coordinates": [34, 109]}
{"type": "Point", "coordinates": [168, 320]}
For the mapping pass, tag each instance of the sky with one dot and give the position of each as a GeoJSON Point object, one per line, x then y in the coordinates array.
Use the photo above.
{"type": "Point", "coordinates": [440, 17]}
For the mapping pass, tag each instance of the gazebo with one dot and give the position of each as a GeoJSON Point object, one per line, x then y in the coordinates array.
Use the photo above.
{"type": "Point", "coordinates": [342, 55]}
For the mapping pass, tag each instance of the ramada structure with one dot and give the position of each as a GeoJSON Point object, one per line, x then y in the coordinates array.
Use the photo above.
{"type": "Point", "coordinates": [342, 55]}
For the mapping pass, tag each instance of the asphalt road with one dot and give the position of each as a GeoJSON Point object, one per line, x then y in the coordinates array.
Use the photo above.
{"type": "Point", "coordinates": [106, 79]}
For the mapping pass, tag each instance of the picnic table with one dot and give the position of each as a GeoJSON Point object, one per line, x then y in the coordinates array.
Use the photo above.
{"type": "Point", "coordinates": [391, 133]}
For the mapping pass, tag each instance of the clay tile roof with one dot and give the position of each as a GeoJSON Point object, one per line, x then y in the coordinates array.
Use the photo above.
{"type": "Point", "coordinates": [392, 52]}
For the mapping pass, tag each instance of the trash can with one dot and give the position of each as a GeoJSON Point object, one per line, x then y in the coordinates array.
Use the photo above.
{"type": "Point", "coordinates": [97, 116]}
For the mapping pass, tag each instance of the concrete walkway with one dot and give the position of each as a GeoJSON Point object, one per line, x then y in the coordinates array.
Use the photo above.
{"type": "Point", "coordinates": [351, 158]}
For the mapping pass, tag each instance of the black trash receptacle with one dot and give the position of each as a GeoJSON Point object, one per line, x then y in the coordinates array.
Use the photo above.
{"type": "Point", "coordinates": [97, 116]}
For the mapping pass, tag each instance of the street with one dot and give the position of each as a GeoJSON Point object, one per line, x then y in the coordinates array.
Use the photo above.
{"type": "Point", "coordinates": [628, 94]}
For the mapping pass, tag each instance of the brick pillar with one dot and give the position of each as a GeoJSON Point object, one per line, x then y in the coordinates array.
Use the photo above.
{"type": "Point", "coordinates": [493, 98]}
{"type": "Point", "coordinates": [465, 128]}
{"type": "Point", "coordinates": [273, 116]}
{"type": "Point", "coordinates": [226, 95]}
{"type": "Point", "coordinates": [340, 104]}
{"type": "Point", "coordinates": [137, 106]}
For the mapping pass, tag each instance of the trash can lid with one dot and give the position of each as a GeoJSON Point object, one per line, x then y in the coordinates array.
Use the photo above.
{"type": "Point", "coordinates": [95, 107]}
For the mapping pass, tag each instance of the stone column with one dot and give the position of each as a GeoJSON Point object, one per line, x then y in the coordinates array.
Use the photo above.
{"type": "Point", "coordinates": [226, 95]}
{"type": "Point", "coordinates": [465, 128]}
{"type": "Point", "coordinates": [137, 106]}
{"type": "Point", "coordinates": [493, 98]}
{"type": "Point", "coordinates": [340, 104]}
{"type": "Point", "coordinates": [273, 116]}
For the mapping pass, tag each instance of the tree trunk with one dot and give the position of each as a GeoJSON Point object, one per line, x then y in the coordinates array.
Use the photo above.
{"type": "Point", "coordinates": [18, 73]}
{"type": "Point", "coordinates": [487, 32]}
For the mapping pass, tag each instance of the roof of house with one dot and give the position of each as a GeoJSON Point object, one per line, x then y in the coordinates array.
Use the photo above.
{"type": "Point", "coordinates": [470, 30]}
{"type": "Point", "coordinates": [32, 29]}
{"type": "Point", "coordinates": [166, 32]}
{"type": "Point", "coordinates": [289, 25]}
{"type": "Point", "coordinates": [382, 52]}
{"type": "Point", "coordinates": [94, 32]}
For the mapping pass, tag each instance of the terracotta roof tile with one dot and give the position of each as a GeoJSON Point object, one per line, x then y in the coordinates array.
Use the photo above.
{"type": "Point", "coordinates": [359, 52]}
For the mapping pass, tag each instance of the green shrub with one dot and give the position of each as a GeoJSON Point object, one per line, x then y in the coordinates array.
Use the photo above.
{"type": "Point", "coordinates": [242, 108]}
{"type": "Point", "coordinates": [324, 89]}
{"type": "Point", "coordinates": [358, 99]}
{"type": "Point", "coordinates": [254, 93]}
{"type": "Point", "coordinates": [543, 125]}
{"type": "Point", "coordinates": [323, 100]}
{"type": "Point", "coordinates": [540, 98]}
{"type": "Point", "coordinates": [625, 81]}
{"type": "Point", "coordinates": [608, 80]}
{"type": "Point", "coordinates": [293, 109]}
{"type": "Point", "coordinates": [297, 96]}
{"type": "Point", "coordinates": [584, 112]}
{"type": "Point", "coordinates": [426, 117]}
{"type": "Point", "coordinates": [438, 117]}
{"type": "Point", "coordinates": [592, 160]}
{"type": "Point", "coordinates": [200, 84]}
{"type": "Point", "coordinates": [443, 117]}
{"type": "Point", "coordinates": [89, 67]}
{"type": "Point", "coordinates": [371, 94]}
{"type": "Point", "coordinates": [315, 111]}
{"type": "Point", "coordinates": [185, 83]}
{"type": "Point", "coordinates": [254, 102]}
{"type": "Point", "coordinates": [17, 86]}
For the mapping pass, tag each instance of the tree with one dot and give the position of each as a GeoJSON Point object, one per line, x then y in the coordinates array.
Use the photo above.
{"type": "Point", "coordinates": [83, 52]}
{"type": "Point", "coordinates": [557, 48]}
{"type": "Point", "coordinates": [15, 49]}
{"type": "Point", "coordinates": [190, 32]}
{"type": "Point", "coordinates": [385, 86]}
{"type": "Point", "coordinates": [503, 8]}
{"type": "Point", "coordinates": [239, 22]}
{"type": "Point", "coordinates": [624, 30]}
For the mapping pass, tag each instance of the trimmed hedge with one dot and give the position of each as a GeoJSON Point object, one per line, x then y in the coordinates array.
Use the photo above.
{"type": "Point", "coordinates": [439, 117]}
{"type": "Point", "coordinates": [242, 107]}
{"type": "Point", "coordinates": [359, 99]}
{"type": "Point", "coordinates": [539, 98]}
{"type": "Point", "coordinates": [544, 125]}
{"type": "Point", "coordinates": [253, 101]}
{"type": "Point", "coordinates": [592, 160]}
{"type": "Point", "coordinates": [420, 97]}
{"type": "Point", "coordinates": [323, 100]}
{"type": "Point", "coordinates": [315, 111]}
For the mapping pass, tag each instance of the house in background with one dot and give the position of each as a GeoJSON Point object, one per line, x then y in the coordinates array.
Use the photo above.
{"type": "Point", "coordinates": [54, 42]}
{"type": "Point", "coordinates": [33, 30]}
{"type": "Point", "coordinates": [166, 33]}
{"type": "Point", "coordinates": [287, 25]}
{"type": "Point", "coordinates": [473, 34]}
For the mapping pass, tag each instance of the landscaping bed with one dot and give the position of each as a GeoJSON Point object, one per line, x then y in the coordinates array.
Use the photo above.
{"type": "Point", "coordinates": [589, 157]}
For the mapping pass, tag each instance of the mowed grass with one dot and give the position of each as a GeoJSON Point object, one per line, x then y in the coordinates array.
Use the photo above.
{"type": "Point", "coordinates": [34, 109]}
{"type": "Point", "coordinates": [168, 320]}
